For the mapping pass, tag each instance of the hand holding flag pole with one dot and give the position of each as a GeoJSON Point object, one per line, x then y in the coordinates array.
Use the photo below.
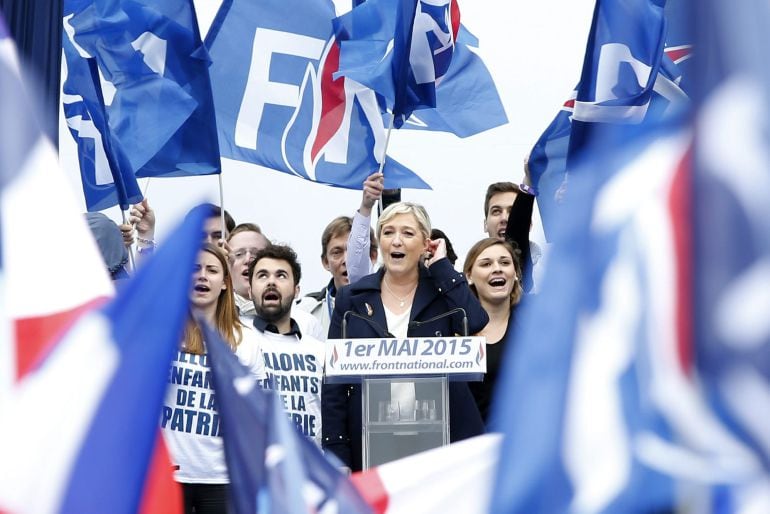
{"type": "Point", "coordinates": [131, 261]}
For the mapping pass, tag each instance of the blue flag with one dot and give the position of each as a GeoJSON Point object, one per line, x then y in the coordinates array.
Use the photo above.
{"type": "Point", "coordinates": [157, 90]}
{"type": "Point", "coordinates": [399, 48]}
{"type": "Point", "coordinates": [572, 370]}
{"type": "Point", "coordinates": [278, 104]}
{"type": "Point", "coordinates": [643, 391]}
{"type": "Point", "coordinates": [272, 467]}
{"type": "Point", "coordinates": [105, 171]}
{"type": "Point", "coordinates": [731, 233]}
{"type": "Point", "coordinates": [547, 164]}
{"type": "Point", "coordinates": [623, 55]}
{"type": "Point", "coordinates": [628, 77]}
{"type": "Point", "coordinates": [467, 101]}
{"type": "Point", "coordinates": [146, 320]}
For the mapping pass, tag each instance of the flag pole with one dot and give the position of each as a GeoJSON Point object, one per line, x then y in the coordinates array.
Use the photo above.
{"type": "Point", "coordinates": [146, 187]}
{"type": "Point", "coordinates": [382, 160]}
{"type": "Point", "coordinates": [222, 204]}
{"type": "Point", "coordinates": [130, 248]}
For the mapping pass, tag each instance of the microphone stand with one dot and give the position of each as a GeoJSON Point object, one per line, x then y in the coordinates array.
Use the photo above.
{"type": "Point", "coordinates": [377, 327]}
{"type": "Point", "coordinates": [446, 314]}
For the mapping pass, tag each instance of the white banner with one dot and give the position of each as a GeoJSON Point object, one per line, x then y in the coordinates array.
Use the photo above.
{"type": "Point", "coordinates": [410, 356]}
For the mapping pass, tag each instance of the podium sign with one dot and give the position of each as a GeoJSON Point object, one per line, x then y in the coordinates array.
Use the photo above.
{"type": "Point", "coordinates": [405, 391]}
{"type": "Point", "coordinates": [413, 356]}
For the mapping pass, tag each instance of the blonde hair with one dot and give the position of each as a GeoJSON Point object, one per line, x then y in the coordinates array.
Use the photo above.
{"type": "Point", "coordinates": [416, 210]}
{"type": "Point", "coordinates": [478, 248]}
{"type": "Point", "coordinates": [227, 321]}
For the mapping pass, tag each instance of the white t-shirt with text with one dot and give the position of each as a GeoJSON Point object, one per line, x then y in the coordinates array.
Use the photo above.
{"type": "Point", "coordinates": [189, 419]}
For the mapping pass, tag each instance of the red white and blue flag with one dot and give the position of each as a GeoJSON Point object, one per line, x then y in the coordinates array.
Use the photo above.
{"type": "Point", "coordinates": [455, 478]}
{"type": "Point", "coordinates": [467, 101]}
{"type": "Point", "coordinates": [621, 415]}
{"type": "Point", "coordinates": [643, 391]}
{"type": "Point", "coordinates": [278, 104]}
{"type": "Point", "coordinates": [272, 466]}
{"type": "Point", "coordinates": [76, 415]}
{"type": "Point", "coordinates": [85, 436]}
{"type": "Point", "coordinates": [39, 301]}
{"type": "Point", "coordinates": [629, 76]}
{"type": "Point", "coordinates": [401, 49]}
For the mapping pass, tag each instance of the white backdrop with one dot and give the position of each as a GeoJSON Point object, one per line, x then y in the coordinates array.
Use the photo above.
{"type": "Point", "coordinates": [534, 51]}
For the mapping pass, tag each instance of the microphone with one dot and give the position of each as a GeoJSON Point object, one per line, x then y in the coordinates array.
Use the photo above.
{"type": "Point", "coordinates": [447, 314]}
{"type": "Point", "coordinates": [378, 328]}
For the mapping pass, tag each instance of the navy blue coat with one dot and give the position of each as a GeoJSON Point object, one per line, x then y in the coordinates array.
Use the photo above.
{"type": "Point", "coordinates": [439, 290]}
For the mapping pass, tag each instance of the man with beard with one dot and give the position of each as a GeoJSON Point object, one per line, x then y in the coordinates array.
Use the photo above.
{"type": "Point", "coordinates": [244, 242]}
{"type": "Point", "coordinates": [293, 360]}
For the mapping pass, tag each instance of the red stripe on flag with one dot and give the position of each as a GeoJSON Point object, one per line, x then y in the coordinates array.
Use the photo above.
{"type": "Point", "coordinates": [678, 53]}
{"type": "Point", "coordinates": [36, 336]}
{"type": "Point", "coordinates": [162, 495]}
{"type": "Point", "coordinates": [679, 204]}
{"type": "Point", "coordinates": [372, 489]}
{"type": "Point", "coordinates": [455, 17]}
{"type": "Point", "coordinates": [332, 100]}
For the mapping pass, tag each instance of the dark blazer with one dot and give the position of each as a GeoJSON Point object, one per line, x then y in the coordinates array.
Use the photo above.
{"type": "Point", "coordinates": [439, 290]}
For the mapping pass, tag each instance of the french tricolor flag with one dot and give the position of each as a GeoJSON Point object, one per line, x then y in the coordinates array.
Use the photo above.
{"type": "Point", "coordinates": [84, 406]}
{"type": "Point", "coordinates": [50, 263]}
{"type": "Point", "coordinates": [85, 431]}
{"type": "Point", "coordinates": [454, 478]}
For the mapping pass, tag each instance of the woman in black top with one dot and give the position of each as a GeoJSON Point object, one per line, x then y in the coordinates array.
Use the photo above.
{"type": "Point", "coordinates": [494, 276]}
